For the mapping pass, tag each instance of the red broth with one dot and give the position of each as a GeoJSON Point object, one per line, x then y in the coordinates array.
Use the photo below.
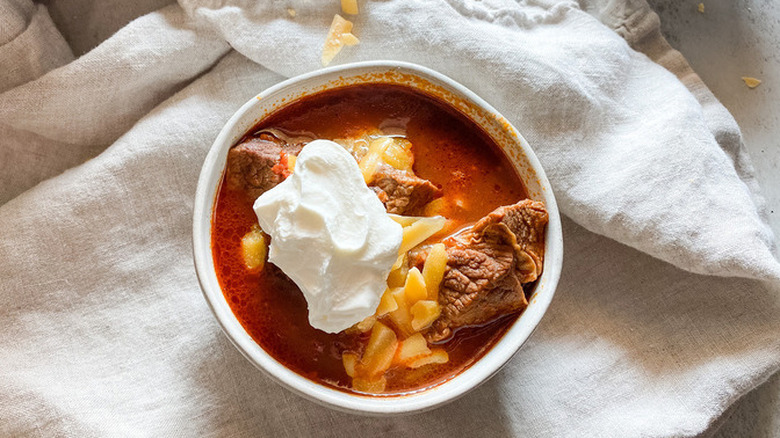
{"type": "Point", "coordinates": [449, 150]}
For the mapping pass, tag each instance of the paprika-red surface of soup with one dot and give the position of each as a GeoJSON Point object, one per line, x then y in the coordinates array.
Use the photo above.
{"type": "Point", "coordinates": [449, 150]}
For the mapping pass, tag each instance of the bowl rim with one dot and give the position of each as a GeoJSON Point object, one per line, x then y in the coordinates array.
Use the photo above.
{"type": "Point", "coordinates": [458, 385]}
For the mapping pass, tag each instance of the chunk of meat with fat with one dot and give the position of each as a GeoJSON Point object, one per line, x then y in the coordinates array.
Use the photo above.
{"type": "Point", "coordinates": [250, 165]}
{"type": "Point", "coordinates": [403, 192]}
{"type": "Point", "coordinates": [522, 225]}
{"type": "Point", "coordinates": [488, 265]}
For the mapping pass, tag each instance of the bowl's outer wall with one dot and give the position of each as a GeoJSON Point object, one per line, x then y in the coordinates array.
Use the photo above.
{"type": "Point", "coordinates": [512, 144]}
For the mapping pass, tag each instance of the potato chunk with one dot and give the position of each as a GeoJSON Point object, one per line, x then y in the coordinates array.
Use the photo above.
{"type": "Point", "coordinates": [420, 230]}
{"type": "Point", "coordinates": [349, 7]}
{"type": "Point", "coordinates": [414, 287]}
{"type": "Point", "coordinates": [379, 145]}
{"type": "Point", "coordinates": [413, 347]}
{"type": "Point", "coordinates": [437, 207]}
{"type": "Point", "coordinates": [374, 386]}
{"type": "Point", "coordinates": [397, 276]}
{"type": "Point", "coordinates": [370, 162]}
{"type": "Point", "coordinates": [402, 220]}
{"type": "Point", "coordinates": [254, 249]}
{"type": "Point", "coordinates": [291, 162]}
{"type": "Point", "coordinates": [399, 154]}
{"type": "Point", "coordinates": [366, 324]}
{"type": "Point", "coordinates": [387, 304]}
{"type": "Point", "coordinates": [380, 350]}
{"type": "Point", "coordinates": [401, 317]}
{"type": "Point", "coordinates": [424, 313]}
{"type": "Point", "coordinates": [339, 36]}
{"type": "Point", "coordinates": [368, 166]}
{"type": "Point", "coordinates": [433, 270]}
{"type": "Point", "coordinates": [437, 356]}
{"type": "Point", "coordinates": [350, 361]}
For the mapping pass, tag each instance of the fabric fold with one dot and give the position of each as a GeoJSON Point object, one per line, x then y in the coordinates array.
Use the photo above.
{"type": "Point", "coordinates": [645, 37]}
{"type": "Point", "coordinates": [72, 113]}
{"type": "Point", "coordinates": [151, 58]}
{"type": "Point", "coordinates": [30, 44]}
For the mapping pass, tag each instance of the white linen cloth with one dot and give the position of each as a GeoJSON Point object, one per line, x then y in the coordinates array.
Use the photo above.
{"type": "Point", "coordinates": [105, 332]}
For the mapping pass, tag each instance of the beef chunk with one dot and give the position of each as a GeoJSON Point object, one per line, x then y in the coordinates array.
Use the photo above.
{"type": "Point", "coordinates": [250, 165]}
{"type": "Point", "coordinates": [487, 266]}
{"type": "Point", "coordinates": [522, 225]}
{"type": "Point", "coordinates": [404, 193]}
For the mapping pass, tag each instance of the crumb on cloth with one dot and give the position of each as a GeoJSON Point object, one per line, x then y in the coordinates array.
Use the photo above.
{"type": "Point", "coordinates": [349, 7]}
{"type": "Point", "coordinates": [751, 82]}
{"type": "Point", "coordinates": [339, 35]}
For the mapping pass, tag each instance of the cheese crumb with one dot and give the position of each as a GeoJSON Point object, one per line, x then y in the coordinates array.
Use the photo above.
{"type": "Point", "coordinates": [349, 7]}
{"type": "Point", "coordinates": [751, 82]}
{"type": "Point", "coordinates": [291, 11]}
{"type": "Point", "coordinates": [701, 8]}
{"type": "Point", "coordinates": [339, 36]}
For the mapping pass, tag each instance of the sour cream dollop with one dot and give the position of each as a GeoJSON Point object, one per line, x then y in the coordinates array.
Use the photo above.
{"type": "Point", "coordinates": [331, 235]}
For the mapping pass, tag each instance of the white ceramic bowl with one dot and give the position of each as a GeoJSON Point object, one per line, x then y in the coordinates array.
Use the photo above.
{"type": "Point", "coordinates": [515, 148]}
